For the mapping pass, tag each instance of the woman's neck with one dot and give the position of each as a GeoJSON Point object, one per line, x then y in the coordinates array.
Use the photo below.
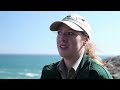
{"type": "Point", "coordinates": [70, 61]}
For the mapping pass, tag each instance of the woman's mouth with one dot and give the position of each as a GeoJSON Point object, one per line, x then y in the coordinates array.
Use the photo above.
{"type": "Point", "coordinates": [63, 46]}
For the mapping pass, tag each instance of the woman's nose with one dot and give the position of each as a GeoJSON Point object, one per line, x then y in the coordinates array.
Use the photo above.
{"type": "Point", "coordinates": [63, 38]}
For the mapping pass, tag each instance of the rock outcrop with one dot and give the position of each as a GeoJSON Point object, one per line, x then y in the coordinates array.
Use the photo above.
{"type": "Point", "coordinates": [113, 65]}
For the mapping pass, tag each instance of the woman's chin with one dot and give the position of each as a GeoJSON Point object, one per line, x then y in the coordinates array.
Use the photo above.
{"type": "Point", "coordinates": [64, 54]}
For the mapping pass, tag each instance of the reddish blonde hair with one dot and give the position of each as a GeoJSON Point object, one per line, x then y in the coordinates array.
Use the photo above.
{"type": "Point", "coordinates": [90, 49]}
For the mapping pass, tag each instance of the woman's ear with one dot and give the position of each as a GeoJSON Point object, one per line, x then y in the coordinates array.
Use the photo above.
{"type": "Point", "coordinates": [85, 40]}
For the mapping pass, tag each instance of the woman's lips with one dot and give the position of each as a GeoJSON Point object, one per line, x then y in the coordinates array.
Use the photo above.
{"type": "Point", "coordinates": [63, 46]}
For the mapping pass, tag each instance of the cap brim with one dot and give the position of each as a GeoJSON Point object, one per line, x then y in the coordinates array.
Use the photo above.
{"type": "Point", "coordinates": [54, 26]}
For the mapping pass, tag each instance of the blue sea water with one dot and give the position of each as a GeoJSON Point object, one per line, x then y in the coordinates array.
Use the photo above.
{"type": "Point", "coordinates": [25, 66]}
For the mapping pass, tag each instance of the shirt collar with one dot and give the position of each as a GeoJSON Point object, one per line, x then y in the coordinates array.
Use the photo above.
{"type": "Point", "coordinates": [61, 65]}
{"type": "Point", "coordinates": [75, 66]}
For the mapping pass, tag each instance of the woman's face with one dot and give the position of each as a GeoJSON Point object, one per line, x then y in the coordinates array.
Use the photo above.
{"type": "Point", "coordinates": [69, 41]}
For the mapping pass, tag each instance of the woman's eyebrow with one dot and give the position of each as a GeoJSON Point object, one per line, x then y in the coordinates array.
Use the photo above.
{"type": "Point", "coordinates": [70, 30]}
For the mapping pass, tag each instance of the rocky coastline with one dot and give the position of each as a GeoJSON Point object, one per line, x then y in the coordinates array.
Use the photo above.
{"type": "Point", "coordinates": [113, 65]}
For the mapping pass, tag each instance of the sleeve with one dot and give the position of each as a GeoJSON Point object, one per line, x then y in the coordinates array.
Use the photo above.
{"type": "Point", "coordinates": [44, 73]}
{"type": "Point", "coordinates": [100, 73]}
{"type": "Point", "coordinates": [93, 74]}
{"type": "Point", "coordinates": [49, 72]}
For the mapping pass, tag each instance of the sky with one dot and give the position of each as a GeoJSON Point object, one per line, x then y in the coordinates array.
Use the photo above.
{"type": "Point", "coordinates": [27, 32]}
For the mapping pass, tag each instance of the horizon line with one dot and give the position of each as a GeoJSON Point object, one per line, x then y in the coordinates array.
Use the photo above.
{"type": "Point", "coordinates": [44, 54]}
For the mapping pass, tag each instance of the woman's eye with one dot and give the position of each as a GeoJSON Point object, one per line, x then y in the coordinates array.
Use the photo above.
{"type": "Point", "coordinates": [59, 32]}
{"type": "Point", "coordinates": [70, 33]}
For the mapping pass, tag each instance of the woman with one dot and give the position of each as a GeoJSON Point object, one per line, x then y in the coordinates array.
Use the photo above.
{"type": "Point", "coordinates": [78, 53]}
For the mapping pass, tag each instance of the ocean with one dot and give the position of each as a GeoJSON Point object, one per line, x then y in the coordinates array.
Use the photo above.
{"type": "Point", "coordinates": [26, 66]}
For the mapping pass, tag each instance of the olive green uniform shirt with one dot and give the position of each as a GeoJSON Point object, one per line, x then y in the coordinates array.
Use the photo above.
{"type": "Point", "coordinates": [87, 69]}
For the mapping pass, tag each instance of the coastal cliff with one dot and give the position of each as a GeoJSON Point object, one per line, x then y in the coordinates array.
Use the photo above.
{"type": "Point", "coordinates": [113, 65]}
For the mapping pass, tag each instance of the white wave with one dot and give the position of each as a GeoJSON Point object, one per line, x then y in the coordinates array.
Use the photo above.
{"type": "Point", "coordinates": [5, 72]}
{"type": "Point", "coordinates": [11, 78]}
{"type": "Point", "coordinates": [29, 74]}
{"type": "Point", "coordinates": [2, 71]}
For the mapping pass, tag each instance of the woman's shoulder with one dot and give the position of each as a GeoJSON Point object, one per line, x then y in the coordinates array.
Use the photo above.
{"type": "Point", "coordinates": [51, 66]}
{"type": "Point", "coordinates": [50, 71]}
{"type": "Point", "coordinates": [102, 71]}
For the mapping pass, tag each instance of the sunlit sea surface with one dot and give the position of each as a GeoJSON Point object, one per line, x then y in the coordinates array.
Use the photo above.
{"type": "Point", "coordinates": [26, 66]}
